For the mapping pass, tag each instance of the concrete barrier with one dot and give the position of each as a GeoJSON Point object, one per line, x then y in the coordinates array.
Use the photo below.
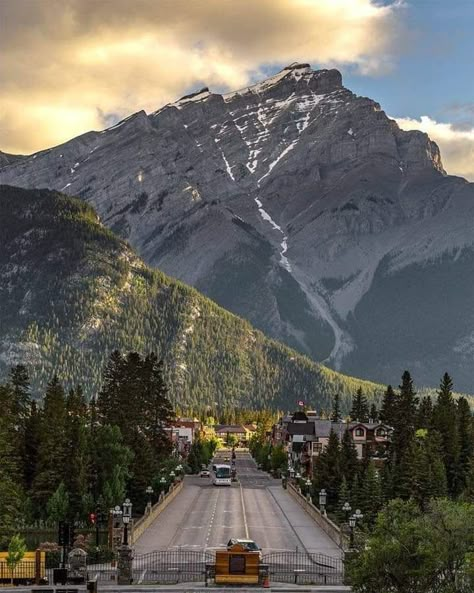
{"type": "Point", "coordinates": [140, 526]}
{"type": "Point", "coordinates": [333, 531]}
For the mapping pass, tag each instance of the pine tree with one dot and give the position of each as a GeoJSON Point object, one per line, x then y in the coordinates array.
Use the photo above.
{"type": "Point", "coordinates": [58, 508]}
{"type": "Point", "coordinates": [444, 421]}
{"type": "Point", "coordinates": [52, 445]}
{"type": "Point", "coordinates": [360, 407]}
{"type": "Point", "coordinates": [404, 417]}
{"type": "Point", "coordinates": [336, 415]}
{"type": "Point", "coordinates": [374, 413]}
{"type": "Point", "coordinates": [327, 472]}
{"type": "Point", "coordinates": [465, 442]}
{"type": "Point", "coordinates": [31, 445]}
{"type": "Point", "coordinates": [371, 494]}
{"type": "Point", "coordinates": [348, 458]}
{"type": "Point", "coordinates": [344, 495]}
{"type": "Point", "coordinates": [424, 417]}
{"type": "Point", "coordinates": [158, 412]}
{"type": "Point", "coordinates": [77, 450]}
{"type": "Point", "coordinates": [387, 411]}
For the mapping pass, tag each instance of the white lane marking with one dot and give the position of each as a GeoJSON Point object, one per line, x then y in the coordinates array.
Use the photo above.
{"type": "Point", "coordinates": [212, 519]}
{"type": "Point", "coordinates": [243, 512]}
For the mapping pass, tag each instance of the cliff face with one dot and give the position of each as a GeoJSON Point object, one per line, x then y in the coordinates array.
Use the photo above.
{"type": "Point", "coordinates": [298, 205]}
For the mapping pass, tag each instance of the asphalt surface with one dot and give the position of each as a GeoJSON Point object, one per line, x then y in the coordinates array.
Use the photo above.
{"type": "Point", "coordinates": [204, 516]}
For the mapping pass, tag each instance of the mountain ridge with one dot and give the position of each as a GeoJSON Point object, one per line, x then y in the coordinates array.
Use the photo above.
{"type": "Point", "coordinates": [72, 293]}
{"type": "Point", "coordinates": [291, 203]}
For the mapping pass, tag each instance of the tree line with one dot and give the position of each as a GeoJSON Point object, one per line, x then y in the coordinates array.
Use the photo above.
{"type": "Point", "coordinates": [67, 457]}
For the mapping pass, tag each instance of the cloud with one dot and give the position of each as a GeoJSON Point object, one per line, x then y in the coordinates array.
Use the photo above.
{"type": "Point", "coordinates": [66, 62]}
{"type": "Point", "coordinates": [456, 145]}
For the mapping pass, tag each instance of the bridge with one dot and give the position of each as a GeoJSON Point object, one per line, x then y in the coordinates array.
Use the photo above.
{"type": "Point", "coordinates": [205, 517]}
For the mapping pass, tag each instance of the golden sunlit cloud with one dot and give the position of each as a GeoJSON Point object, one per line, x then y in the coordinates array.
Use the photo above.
{"type": "Point", "coordinates": [66, 63]}
{"type": "Point", "coordinates": [456, 146]}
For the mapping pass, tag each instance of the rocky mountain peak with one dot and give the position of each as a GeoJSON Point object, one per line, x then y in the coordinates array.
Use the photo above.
{"type": "Point", "coordinates": [288, 202]}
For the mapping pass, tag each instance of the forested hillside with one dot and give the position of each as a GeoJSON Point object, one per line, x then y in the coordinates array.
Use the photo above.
{"type": "Point", "coordinates": [72, 292]}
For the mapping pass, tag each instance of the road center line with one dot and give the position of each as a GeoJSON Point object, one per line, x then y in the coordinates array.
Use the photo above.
{"type": "Point", "coordinates": [243, 511]}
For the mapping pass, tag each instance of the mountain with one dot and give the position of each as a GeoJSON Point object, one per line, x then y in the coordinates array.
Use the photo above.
{"type": "Point", "coordinates": [298, 205]}
{"type": "Point", "coordinates": [71, 292]}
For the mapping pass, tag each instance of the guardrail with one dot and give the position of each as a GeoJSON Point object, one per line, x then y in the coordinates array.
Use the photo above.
{"type": "Point", "coordinates": [140, 526]}
{"type": "Point", "coordinates": [333, 531]}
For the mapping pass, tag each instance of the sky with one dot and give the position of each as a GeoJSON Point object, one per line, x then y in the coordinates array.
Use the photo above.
{"type": "Point", "coordinates": [70, 66]}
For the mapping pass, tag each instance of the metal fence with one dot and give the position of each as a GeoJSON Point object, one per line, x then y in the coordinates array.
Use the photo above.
{"type": "Point", "coordinates": [171, 566]}
{"type": "Point", "coordinates": [304, 568]}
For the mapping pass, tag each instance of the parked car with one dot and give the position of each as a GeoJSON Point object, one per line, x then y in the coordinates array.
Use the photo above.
{"type": "Point", "coordinates": [248, 544]}
{"type": "Point", "coordinates": [204, 473]}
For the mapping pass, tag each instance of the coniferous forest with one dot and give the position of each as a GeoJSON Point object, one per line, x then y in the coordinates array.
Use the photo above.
{"type": "Point", "coordinates": [75, 293]}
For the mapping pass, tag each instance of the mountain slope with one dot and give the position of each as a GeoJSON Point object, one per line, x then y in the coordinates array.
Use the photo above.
{"type": "Point", "coordinates": [299, 206]}
{"type": "Point", "coordinates": [71, 292]}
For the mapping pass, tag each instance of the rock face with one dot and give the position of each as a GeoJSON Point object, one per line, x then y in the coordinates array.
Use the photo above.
{"type": "Point", "coordinates": [298, 205]}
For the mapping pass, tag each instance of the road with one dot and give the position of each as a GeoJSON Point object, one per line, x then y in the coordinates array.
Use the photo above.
{"type": "Point", "coordinates": [204, 516]}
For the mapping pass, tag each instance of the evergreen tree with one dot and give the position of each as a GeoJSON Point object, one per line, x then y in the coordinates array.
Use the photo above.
{"type": "Point", "coordinates": [348, 458]}
{"type": "Point", "coordinates": [327, 472]}
{"type": "Point", "coordinates": [336, 415]}
{"type": "Point", "coordinates": [424, 417]}
{"type": "Point", "coordinates": [374, 413]}
{"type": "Point", "coordinates": [77, 450]}
{"type": "Point", "coordinates": [31, 445]}
{"type": "Point", "coordinates": [10, 490]}
{"type": "Point", "coordinates": [360, 407]}
{"type": "Point", "coordinates": [52, 445]}
{"type": "Point", "coordinates": [444, 421]}
{"type": "Point", "coordinates": [465, 442]}
{"type": "Point", "coordinates": [387, 411]}
{"type": "Point", "coordinates": [427, 471]}
{"type": "Point", "coordinates": [58, 508]}
{"type": "Point", "coordinates": [111, 461]}
{"type": "Point", "coordinates": [344, 495]}
{"type": "Point", "coordinates": [372, 497]}
{"type": "Point", "coordinates": [158, 411]}
{"type": "Point", "coordinates": [404, 417]}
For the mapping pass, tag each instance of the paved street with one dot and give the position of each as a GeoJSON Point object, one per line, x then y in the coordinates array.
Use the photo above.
{"type": "Point", "coordinates": [204, 516]}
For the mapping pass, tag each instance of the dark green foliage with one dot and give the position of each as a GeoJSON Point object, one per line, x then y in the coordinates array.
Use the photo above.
{"type": "Point", "coordinates": [52, 445]}
{"type": "Point", "coordinates": [360, 408]}
{"type": "Point", "coordinates": [349, 464]}
{"type": "Point", "coordinates": [336, 415]}
{"type": "Point", "coordinates": [414, 552]}
{"type": "Point", "coordinates": [327, 471]}
{"type": "Point", "coordinates": [387, 411]}
{"type": "Point", "coordinates": [465, 430]}
{"type": "Point", "coordinates": [444, 421]}
{"type": "Point", "coordinates": [78, 293]}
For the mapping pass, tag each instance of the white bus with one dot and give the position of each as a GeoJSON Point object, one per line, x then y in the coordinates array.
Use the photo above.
{"type": "Point", "coordinates": [221, 475]}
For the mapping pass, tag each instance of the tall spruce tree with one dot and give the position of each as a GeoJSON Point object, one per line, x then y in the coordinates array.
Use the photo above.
{"type": "Point", "coordinates": [360, 407]}
{"type": "Point", "coordinates": [465, 442]}
{"type": "Point", "coordinates": [327, 472]}
{"type": "Point", "coordinates": [372, 497]}
{"type": "Point", "coordinates": [77, 451]}
{"type": "Point", "coordinates": [31, 445]}
{"type": "Point", "coordinates": [387, 411]}
{"type": "Point", "coordinates": [336, 415]}
{"type": "Point", "coordinates": [404, 417]}
{"type": "Point", "coordinates": [444, 421]}
{"type": "Point", "coordinates": [52, 445]}
{"type": "Point", "coordinates": [349, 463]}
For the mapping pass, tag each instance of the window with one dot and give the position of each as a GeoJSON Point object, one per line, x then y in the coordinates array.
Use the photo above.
{"type": "Point", "coordinates": [381, 432]}
{"type": "Point", "coordinates": [359, 432]}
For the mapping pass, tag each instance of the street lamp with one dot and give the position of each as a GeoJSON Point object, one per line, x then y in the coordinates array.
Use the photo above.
{"type": "Point", "coordinates": [357, 516]}
{"type": "Point", "coordinates": [322, 500]}
{"type": "Point", "coordinates": [346, 507]}
{"type": "Point", "coordinates": [308, 491]}
{"type": "Point", "coordinates": [172, 476]}
{"type": "Point", "coordinates": [162, 484]}
{"type": "Point", "coordinates": [149, 493]}
{"type": "Point", "coordinates": [127, 515]}
{"type": "Point", "coordinates": [179, 468]}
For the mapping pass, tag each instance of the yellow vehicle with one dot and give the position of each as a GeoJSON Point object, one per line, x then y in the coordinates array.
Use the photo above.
{"type": "Point", "coordinates": [30, 570]}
